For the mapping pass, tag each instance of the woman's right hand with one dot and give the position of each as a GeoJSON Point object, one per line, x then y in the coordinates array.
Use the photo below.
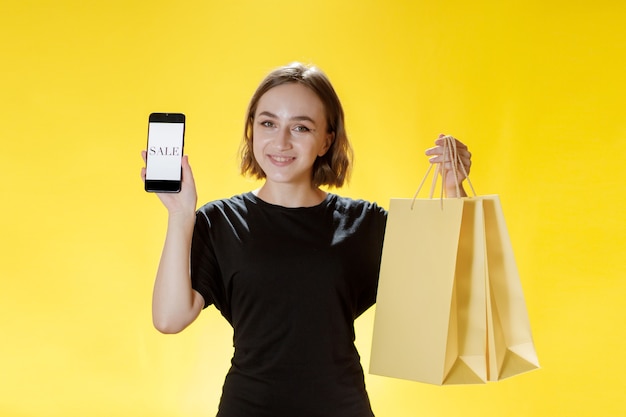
{"type": "Point", "coordinates": [183, 202]}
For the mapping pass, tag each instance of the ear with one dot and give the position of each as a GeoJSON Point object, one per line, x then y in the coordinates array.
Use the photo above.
{"type": "Point", "coordinates": [330, 137]}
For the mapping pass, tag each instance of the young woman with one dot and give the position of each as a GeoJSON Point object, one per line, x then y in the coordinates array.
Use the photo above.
{"type": "Point", "coordinates": [289, 265]}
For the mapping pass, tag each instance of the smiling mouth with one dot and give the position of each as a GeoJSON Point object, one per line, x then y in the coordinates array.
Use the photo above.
{"type": "Point", "coordinates": [281, 159]}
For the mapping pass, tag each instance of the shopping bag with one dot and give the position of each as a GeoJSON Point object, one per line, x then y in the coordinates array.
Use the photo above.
{"type": "Point", "coordinates": [511, 348]}
{"type": "Point", "coordinates": [450, 307]}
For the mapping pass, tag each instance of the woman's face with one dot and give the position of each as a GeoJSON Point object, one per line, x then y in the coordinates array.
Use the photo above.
{"type": "Point", "coordinates": [289, 133]}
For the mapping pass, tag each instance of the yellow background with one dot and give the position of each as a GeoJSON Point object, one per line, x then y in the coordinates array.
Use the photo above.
{"type": "Point", "coordinates": [536, 88]}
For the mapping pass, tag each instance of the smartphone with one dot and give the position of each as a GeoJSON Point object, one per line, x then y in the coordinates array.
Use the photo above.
{"type": "Point", "coordinates": [166, 134]}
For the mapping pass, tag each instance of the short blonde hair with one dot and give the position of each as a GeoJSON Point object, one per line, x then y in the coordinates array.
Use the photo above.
{"type": "Point", "coordinates": [331, 169]}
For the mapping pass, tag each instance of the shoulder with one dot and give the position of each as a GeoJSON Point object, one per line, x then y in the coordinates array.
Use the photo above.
{"type": "Point", "coordinates": [224, 208]}
{"type": "Point", "coordinates": [236, 202]}
{"type": "Point", "coordinates": [358, 207]}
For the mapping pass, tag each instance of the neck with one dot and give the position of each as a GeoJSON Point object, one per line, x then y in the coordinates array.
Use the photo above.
{"type": "Point", "coordinates": [288, 195]}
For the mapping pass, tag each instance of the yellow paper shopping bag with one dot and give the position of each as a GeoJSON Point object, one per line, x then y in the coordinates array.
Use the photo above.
{"type": "Point", "coordinates": [511, 349]}
{"type": "Point", "coordinates": [450, 307]}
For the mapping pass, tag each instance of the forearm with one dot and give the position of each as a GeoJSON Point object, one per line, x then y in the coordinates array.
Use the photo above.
{"type": "Point", "coordinates": [174, 303]}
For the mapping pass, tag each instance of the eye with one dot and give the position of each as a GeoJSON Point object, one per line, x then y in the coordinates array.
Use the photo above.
{"type": "Point", "coordinates": [267, 123]}
{"type": "Point", "coordinates": [301, 128]}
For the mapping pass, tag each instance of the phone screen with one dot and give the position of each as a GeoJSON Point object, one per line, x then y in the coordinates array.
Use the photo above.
{"type": "Point", "coordinates": [166, 132]}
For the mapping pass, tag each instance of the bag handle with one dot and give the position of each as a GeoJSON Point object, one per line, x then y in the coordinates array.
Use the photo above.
{"type": "Point", "coordinates": [450, 151]}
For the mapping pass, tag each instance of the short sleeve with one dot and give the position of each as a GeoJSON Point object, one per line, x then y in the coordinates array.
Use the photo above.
{"type": "Point", "coordinates": [204, 270]}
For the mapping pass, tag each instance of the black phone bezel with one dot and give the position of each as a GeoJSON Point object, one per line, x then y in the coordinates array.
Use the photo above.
{"type": "Point", "coordinates": [165, 186]}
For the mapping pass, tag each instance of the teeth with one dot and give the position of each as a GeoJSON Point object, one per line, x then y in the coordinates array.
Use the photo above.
{"type": "Point", "coordinates": [281, 158]}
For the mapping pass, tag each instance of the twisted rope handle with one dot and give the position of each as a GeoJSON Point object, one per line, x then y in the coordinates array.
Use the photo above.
{"type": "Point", "coordinates": [449, 150]}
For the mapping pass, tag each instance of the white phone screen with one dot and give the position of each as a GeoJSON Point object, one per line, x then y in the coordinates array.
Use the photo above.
{"type": "Point", "coordinates": [165, 151]}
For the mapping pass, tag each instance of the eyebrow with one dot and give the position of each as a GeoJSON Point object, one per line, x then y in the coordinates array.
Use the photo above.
{"type": "Point", "coordinates": [296, 118]}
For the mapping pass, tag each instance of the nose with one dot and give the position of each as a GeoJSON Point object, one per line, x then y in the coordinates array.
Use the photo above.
{"type": "Point", "coordinates": [283, 139]}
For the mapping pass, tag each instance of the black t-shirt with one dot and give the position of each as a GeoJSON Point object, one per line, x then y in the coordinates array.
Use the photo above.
{"type": "Point", "coordinates": [290, 281]}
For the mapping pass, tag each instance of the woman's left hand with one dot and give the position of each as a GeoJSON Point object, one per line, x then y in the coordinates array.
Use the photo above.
{"type": "Point", "coordinates": [453, 183]}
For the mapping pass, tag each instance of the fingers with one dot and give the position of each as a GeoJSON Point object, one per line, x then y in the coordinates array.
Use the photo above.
{"type": "Point", "coordinates": [447, 166]}
{"type": "Point", "coordinates": [143, 169]}
{"type": "Point", "coordinates": [437, 150]}
{"type": "Point", "coordinates": [441, 140]}
{"type": "Point", "coordinates": [187, 172]}
{"type": "Point", "coordinates": [437, 156]}
{"type": "Point", "coordinates": [436, 153]}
